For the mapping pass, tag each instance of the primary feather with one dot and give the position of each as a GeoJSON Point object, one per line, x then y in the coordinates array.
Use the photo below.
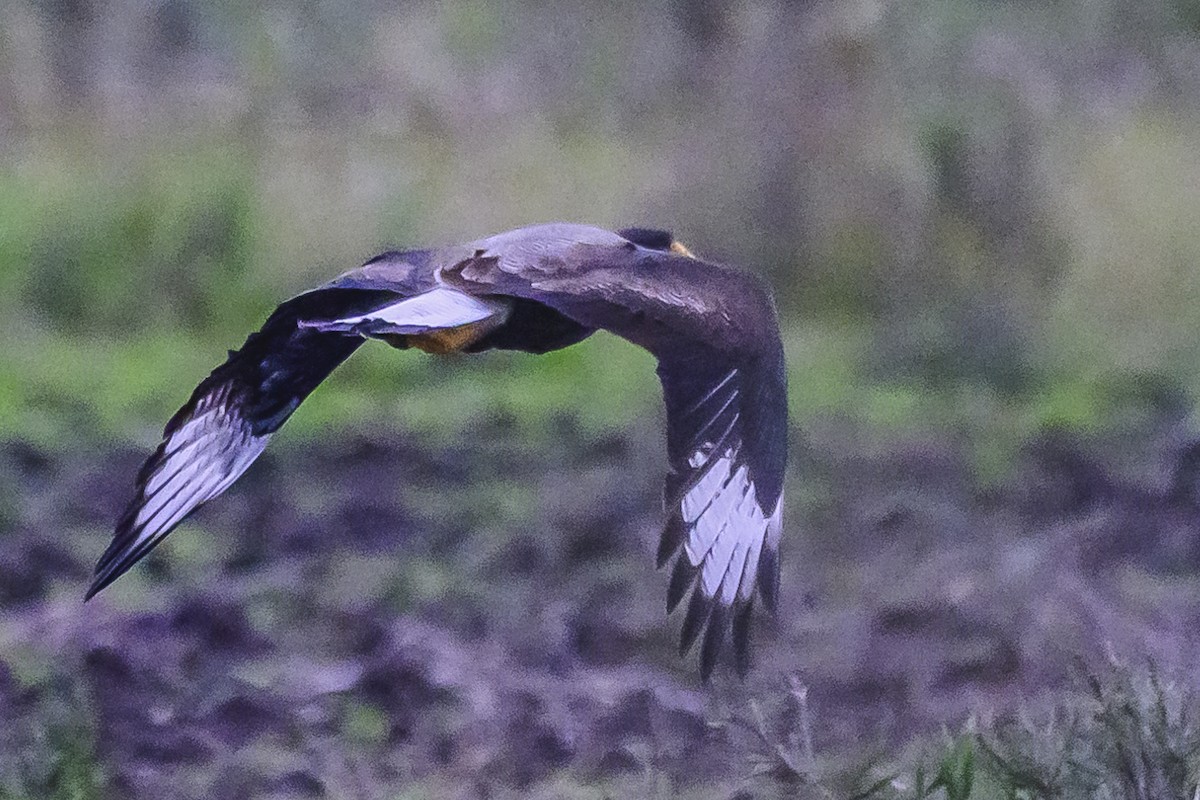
{"type": "Point", "coordinates": [712, 329]}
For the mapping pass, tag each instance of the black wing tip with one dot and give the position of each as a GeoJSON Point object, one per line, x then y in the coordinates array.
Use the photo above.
{"type": "Point", "coordinates": [714, 640]}
{"type": "Point", "coordinates": [698, 610]}
{"type": "Point", "coordinates": [768, 579]}
{"type": "Point", "coordinates": [115, 562]}
{"type": "Point", "coordinates": [670, 540]}
{"type": "Point", "coordinates": [742, 625]}
{"type": "Point", "coordinates": [721, 622]}
{"type": "Point", "coordinates": [124, 550]}
{"type": "Point", "coordinates": [650, 238]}
{"type": "Point", "coordinates": [716, 620]}
{"type": "Point", "coordinates": [99, 583]}
{"type": "Point", "coordinates": [683, 575]}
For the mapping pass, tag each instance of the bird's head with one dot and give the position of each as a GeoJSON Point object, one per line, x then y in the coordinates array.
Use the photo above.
{"type": "Point", "coordinates": [655, 239]}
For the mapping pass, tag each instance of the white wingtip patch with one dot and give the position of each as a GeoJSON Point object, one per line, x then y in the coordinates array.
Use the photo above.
{"type": "Point", "coordinates": [203, 458]}
{"type": "Point", "coordinates": [774, 529]}
{"type": "Point", "coordinates": [728, 528]}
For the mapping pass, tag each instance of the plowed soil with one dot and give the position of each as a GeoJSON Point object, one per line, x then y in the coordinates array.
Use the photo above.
{"type": "Point", "coordinates": [364, 613]}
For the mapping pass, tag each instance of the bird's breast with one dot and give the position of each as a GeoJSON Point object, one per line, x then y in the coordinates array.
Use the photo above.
{"type": "Point", "coordinates": [454, 340]}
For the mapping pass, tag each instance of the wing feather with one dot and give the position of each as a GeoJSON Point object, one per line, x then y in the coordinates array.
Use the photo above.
{"type": "Point", "coordinates": [229, 419]}
{"type": "Point", "coordinates": [720, 360]}
{"type": "Point", "coordinates": [724, 472]}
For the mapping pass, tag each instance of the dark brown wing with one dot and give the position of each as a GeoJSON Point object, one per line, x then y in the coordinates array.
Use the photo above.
{"type": "Point", "coordinates": [720, 360]}
{"type": "Point", "coordinates": [726, 441]}
{"type": "Point", "coordinates": [231, 415]}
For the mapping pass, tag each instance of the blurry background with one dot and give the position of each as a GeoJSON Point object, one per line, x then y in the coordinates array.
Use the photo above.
{"type": "Point", "coordinates": [979, 218]}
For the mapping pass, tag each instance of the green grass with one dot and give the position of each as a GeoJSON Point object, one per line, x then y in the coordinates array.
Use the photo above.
{"type": "Point", "coordinates": [1122, 732]}
{"type": "Point", "coordinates": [124, 279]}
{"type": "Point", "coordinates": [129, 263]}
{"type": "Point", "coordinates": [58, 388]}
{"type": "Point", "coordinates": [50, 752]}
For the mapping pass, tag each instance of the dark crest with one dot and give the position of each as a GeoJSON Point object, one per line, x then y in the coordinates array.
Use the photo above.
{"type": "Point", "coordinates": [650, 238]}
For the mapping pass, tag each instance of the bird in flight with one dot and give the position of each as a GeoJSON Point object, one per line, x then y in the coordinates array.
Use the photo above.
{"type": "Point", "coordinates": [712, 329]}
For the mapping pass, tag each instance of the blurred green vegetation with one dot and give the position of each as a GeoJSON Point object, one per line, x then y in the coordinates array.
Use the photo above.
{"type": "Point", "coordinates": [52, 753]}
{"type": "Point", "coordinates": [122, 288]}
{"type": "Point", "coordinates": [990, 234]}
{"type": "Point", "coordinates": [979, 219]}
{"type": "Point", "coordinates": [125, 273]}
{"type": "Point", "coordinates": [1118, 732]}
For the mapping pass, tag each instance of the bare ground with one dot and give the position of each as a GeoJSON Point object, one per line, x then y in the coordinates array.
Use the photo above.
{"type": "Point", "coordinates": [361, 615]}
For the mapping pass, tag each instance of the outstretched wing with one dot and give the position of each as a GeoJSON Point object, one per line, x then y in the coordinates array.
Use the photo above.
{"type": "Point", "coordinates": [726, 442]}
{"type": "Point", "coordinates": [720, 360]}
{"type": "Point", "coordinates": [230, 417]}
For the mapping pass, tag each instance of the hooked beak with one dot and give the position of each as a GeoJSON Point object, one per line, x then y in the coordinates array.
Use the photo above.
{"type": "Point", "coordinates": [678, 248]}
